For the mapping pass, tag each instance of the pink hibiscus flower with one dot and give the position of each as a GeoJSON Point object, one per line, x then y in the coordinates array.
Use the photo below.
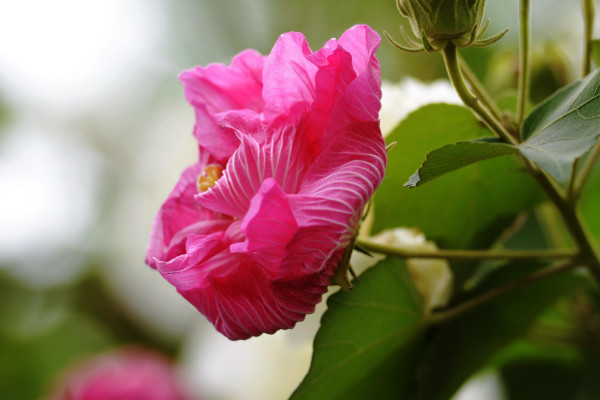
{"type": "Point", "coordinates": [126, 374]}
{"type": "Point", "coordinates": [290, 153]}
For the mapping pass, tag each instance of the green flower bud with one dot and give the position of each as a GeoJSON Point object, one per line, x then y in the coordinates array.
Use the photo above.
{"type": "Point", "coordinates": [438, 22]}
{"type": "Point", "coordinates": [442, 20]}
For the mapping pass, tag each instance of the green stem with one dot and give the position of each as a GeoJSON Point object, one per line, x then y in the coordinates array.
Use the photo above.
{"type": "Point", "coordinates": [466, 254]}
{"type": "Point", "coordinates": [584, 173]}
{"type": "Point", "coordinates": [572, 180]}
{"type": "Point", "coordinates": [566, 208]}
{"type": "Point", "coordinates": [479, 90]}
{"type": "Point", "coordinates": [456, 77]}
{"type": "Point", "coordinates": [588, 27]}
{"type": "Point", "coordinates": [588, 253]}
{"type": "Point", "coordinates": [484, 298]}
{"type": "Point", "coordinates": [523, 84]}
{"type": "Point", "coordinates": [552, 225]}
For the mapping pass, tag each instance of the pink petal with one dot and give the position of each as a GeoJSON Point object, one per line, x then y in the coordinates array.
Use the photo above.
{"type": "Point", "coordinates": [219, 88]}
{"type": "Point", "coordinates": [247, 302]}
{"type": "Point", "coordinates": [331, 80]}
{"type": "Point", "coordinates": [281, 152]}
{"type": "Point", "coordinates": [219, 142]}
{"type": "Point", "coordinates": [239, 296]}
{"type": "Point", "coordinates": [360, 102]}
{"type": "Point", "coordinates": [288, 75]}
{"type": "Point", "coordinates": [180, 215]}
{"type": "Point", "coordinates": [127, 373]}
{"type": "Point", "coordinates": [268, 225]}
{"type": "Point", "coordinates": [334, 191]}
{"type": "Point", "coordinates": [184, 271]}
{"type": "Point", "coordinates": [361, 41]}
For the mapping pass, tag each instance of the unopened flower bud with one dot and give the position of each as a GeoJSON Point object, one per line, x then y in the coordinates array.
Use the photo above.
{"type": "Point", "coordinates": [435, 23]}
{"type": "Point", "coordinates": [442, 20]}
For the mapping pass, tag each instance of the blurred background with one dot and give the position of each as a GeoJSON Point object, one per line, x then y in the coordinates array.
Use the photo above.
{"type": "Point", "coordinates": [94, 132]}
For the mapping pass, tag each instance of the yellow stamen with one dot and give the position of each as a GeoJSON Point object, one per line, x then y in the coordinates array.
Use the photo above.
{"type": "Point", "coordinates": [209, 177]}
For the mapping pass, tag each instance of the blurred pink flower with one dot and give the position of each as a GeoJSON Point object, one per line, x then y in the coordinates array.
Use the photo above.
{"type": "Point", "coordinates": [126, 374]}
{"type": "Point", "coordinates": [290, 153]}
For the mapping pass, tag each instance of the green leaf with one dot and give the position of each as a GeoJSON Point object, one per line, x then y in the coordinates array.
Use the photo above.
{"type": "Point", "coordinates": [461, 346]}
{"type": "Point", "coordinates": [551, 367]}
{"type": "Point", "coordinates": [457, 155]}
{"type": "Point", "coordinates": [564, 127]}
{"type": "Point", "coordinates": [464, 209]}
{"type": "Point", "coordinates": [542, 379]}
{"type": "Point", "coordinates": [369, 341]}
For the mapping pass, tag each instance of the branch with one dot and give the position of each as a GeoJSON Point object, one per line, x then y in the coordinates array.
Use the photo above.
{"type": "Point", "coordinates": [466, 254]}
{"type": "Point", "coordinates": [588, 27]}
{"type": "Point", "coordinates": [484, 298]}
{"type": "Point", "coordinates": [454, 73]}
{"type": "Point", "coordinates": [523, 85]}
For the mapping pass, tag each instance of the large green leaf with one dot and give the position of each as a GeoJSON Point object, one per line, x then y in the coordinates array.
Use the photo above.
{"type": "Point", "coordinates": [457, 155]}
{"type": "Point", "coordinates": [564, 127]}
{"type": "Point", "coordinates": [543, 379]}
{"type": "Point", "coordinates": [550, 365]}
{"type": "Point", "coordinates": [369, 341]}
{"type": "Point", "coordinates": [466, 208]}
{"type": "Point", "coordinates": [460, 347]}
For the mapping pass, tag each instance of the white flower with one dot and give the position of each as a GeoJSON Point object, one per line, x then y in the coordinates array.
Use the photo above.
{"type": "Point", "coordinates": [400, 99]}
{"type": "Point", "coordinates": [432, 277]}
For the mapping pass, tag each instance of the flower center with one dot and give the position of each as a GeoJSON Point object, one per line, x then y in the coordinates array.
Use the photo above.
{"type": "Point", "coordinates": [209, 177]}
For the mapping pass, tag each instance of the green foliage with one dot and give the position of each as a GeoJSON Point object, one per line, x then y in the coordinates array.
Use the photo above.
{"type": "Point", "coordinates": [460, 210]}
{"type": "Point", "coordinates": [369, 341]}
{"type": "Point", "coordinates": [39, 337]}
{"type": "Point", "coordinates": [590, 199]}
{"type": "Point", "coordinates": [542, 379]}
{"type": "Point", "coordinates": [564, 127]}
{"type": "Point", "coordinates": [457, 155]}
{"type": "Point", "coordinates": [29, 366]}
{"type": "Point", "coordinates": [460, 347]}
{"type": "Point", "coordinates": [43, 332]}
{"type": "Point", "coordinates": [555, 360]}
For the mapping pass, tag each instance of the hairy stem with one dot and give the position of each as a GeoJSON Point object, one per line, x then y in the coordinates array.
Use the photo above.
{"type": "Point", "coordinates": [479, 90]}
{"type": "Point", "coordinates": [584, 173]}
{"type": "Point", "coordinates": [456, 77]}
{"type": "Point", "coordinates": [523, 84]}
{"type": "Point", "coordinates": [588, 27]}
{"type": "Point", "coordinates": [477, 301]}
{"type": "Point", "coordinates": [466, 254]}
{"type": "Point", "coordinates": [588, 253]}
{"type": "Point", "coordinates": [572, 180]}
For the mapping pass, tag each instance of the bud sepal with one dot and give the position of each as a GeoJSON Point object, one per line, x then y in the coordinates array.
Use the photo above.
{"type": "Point", "coordinates": [435, 23]}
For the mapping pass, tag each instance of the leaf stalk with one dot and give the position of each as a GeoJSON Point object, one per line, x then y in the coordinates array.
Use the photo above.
{"type": "Point", "coordinates": [443, 316]}
{"type": "Point", "coordinates": [456, 77]}
{"type": "Point", "coordinates": [588, 27]}
{"type": "Point", "coordinates": [587, 252]}
{"type": "Point", "coordinates": [466, 254]}
{"type": "Point", "coordinates": [523, 84]}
